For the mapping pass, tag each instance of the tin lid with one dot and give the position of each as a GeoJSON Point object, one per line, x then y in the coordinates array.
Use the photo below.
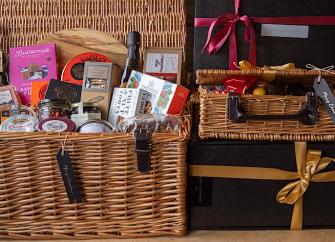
{"type": "Point", "coordinates": [73, 71]}
{"type": "Point", "coordinates": [85, 104]}
{"type": "Point", "coordinates": [57, 124]}
{"type": "Point", "coordinates": [20, 123]}
{"type": "Point", "coordinates": [53, 101]}
{"type": "Point", "coordinates": [95, 126]}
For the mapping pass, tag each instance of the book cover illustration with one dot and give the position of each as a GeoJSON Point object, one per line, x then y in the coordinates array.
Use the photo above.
{"type": "Point", "coordinates": [165, 98]}
{"type": "Point", "coordinates": [164, 63]}
{"type": "Point", "coordinates": [134, 80]}
{"type": "Point", "coordinates": [148, 83]}
{"type": "Point", "coordinates": [29, 64]}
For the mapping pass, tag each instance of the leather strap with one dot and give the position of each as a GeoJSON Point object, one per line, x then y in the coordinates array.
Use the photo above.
{"type": "Point", "coordinates": [143, 149]}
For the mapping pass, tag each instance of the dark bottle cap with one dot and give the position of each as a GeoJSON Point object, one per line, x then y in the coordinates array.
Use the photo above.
{"type": "Point", "coordinates": [134, 38]}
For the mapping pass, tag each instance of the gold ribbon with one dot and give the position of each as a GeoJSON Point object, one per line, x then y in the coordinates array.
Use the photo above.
{"type": "Point", "coordinates": [269, 72]}
{"type": "Point", "coordinates": [309, 165]}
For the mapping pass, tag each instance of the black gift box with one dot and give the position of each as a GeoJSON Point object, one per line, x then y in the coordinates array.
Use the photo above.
{"type": "Point", "coordinates": [317, 49]}
{"type": "Point", "coordinates": [221, 203]}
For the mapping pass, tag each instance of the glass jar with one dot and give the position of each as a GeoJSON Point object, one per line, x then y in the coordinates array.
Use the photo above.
{"type": "Point", "coordinates": [53, 108]}
{"type": "Point", "coordinates": [96, 126]}
{"type": "Point", "coordinates": [87, 107]}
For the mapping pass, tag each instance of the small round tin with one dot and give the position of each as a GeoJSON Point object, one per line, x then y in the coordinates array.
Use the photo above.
{"type": "Point", "coordinates": [58, 124]}
{"type": "Point", "coordinates": [96, 126]}
{"type": "Point", "coordinates": [73, 71]}
{"type": "Point", "coordinates": [20, 123]}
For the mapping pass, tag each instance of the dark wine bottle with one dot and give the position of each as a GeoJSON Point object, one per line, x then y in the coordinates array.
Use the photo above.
{"type": "Point", "coordinates": [133, 59]}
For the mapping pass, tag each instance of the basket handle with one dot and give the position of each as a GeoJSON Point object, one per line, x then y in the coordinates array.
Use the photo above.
{"type": "Point", "coordinates": [307, 115]}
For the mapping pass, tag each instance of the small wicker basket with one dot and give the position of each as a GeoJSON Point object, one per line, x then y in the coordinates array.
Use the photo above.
{"type": "Point", "coordinates": [119, 201]}
{"type": "Point", "coordinates": [214, 122]}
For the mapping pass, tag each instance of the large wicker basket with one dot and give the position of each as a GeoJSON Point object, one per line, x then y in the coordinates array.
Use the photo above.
{"type": "Point", "coordinates": [161, 23]}
{"type": "Point", "coordinates": [118, 200]}
{"type": "Point", "coordinates": [214, 122]}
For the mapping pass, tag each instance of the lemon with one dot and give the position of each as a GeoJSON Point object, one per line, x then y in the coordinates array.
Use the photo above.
{"type": "Point", "coordinates": [259, 91]}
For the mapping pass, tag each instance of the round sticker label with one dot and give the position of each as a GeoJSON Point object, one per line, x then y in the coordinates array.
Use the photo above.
{"type": "Point", "coordinates": [54, 126]}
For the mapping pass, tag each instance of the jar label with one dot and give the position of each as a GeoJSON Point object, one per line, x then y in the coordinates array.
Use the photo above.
{"type": "Point", "coordinates": [55, 126]}
{"type": "Point", "coordinates": [20, 123]}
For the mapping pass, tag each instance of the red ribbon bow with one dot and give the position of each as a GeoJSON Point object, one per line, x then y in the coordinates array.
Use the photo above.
{"type": "Point", "coordinates": [228, 22]}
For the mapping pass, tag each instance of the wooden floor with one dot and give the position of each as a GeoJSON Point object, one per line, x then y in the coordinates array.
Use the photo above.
{"type": "Point", "coordinates": [236, 236]}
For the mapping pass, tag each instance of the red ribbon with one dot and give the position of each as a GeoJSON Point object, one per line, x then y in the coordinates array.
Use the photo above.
{"type": "Point", "coordinates": [228, 23]}
{"type": "Point", "coordinates": [238, 85]}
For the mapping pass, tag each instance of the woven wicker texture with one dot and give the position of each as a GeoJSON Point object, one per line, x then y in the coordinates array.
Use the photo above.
{"type": "Point", "coordinates": [215, 76]}
{"type": "Point", "coordinates": [215, 124]}
{"type": "Point", "coordinates": [161, 23]}
{"type": "Point", "coordinates": [118, 200]}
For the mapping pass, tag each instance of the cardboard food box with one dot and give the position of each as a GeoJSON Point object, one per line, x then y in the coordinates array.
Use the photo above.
{"type": "Point", "coordinates": [29, 64]}
{"type": "Point", "coordinates": [8, 96]}
{"type": "Point", "coordinates": [164, 63]}
{"type": "Point", "coordinates": [98, 85]}
{"type": "Point", "coordinates": [127, 103]}
{"type": "Point", "coordinates": [63, 90]}
{"type": "Point", "coordinates": [165, 97]}
{"type": "Point", "coordinates": [38, 91]}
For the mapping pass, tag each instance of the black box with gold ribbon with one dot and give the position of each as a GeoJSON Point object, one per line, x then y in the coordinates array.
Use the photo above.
{"type": "Point", "coordinates": [239, 185]}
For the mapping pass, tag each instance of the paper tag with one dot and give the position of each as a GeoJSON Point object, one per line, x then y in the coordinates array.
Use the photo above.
{"type": "Point", "coordinates": [326, 94]}
{"type": "Point", "coordinates": [65, 166]}
{"type": "Point", "coordinates": [288, 31]}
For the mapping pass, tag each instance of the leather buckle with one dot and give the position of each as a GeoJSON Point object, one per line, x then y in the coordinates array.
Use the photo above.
{"type": "Point", "coordinates": [143, 150]}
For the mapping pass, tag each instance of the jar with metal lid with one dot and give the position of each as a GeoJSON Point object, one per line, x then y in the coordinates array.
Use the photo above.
{"type": "Point", "coordinates": [20, 123]}
{"type": "Point", "coordinates": [96, 126]}
{"type": "Point", "coordinates": [87, 107]}
{"type": "Point", "coordinates": [53, 108]}
{"type": "Point", "coordinates": [84, 111]}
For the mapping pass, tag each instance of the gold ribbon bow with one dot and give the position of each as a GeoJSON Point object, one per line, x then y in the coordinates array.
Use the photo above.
{"type": "Point", "coordinates": [269, 72]}
{"type": "Point", "coordinates": [309, 165]}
